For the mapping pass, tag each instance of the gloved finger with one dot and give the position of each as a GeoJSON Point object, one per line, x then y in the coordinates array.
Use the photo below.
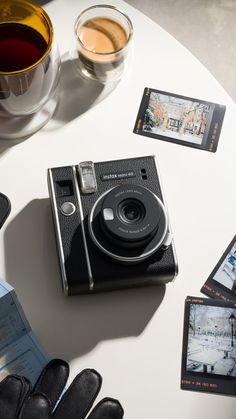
{"type": "Point", "coordinates": [107, 409]}
{"type": "Point", "coordinates": [80, 396]}
{"type": "Point", "coordinates": [36, 406]}
{"type": "Point", "coordinates": [13, 391]}
{"type": "Point", "coordinates": [53, 380]}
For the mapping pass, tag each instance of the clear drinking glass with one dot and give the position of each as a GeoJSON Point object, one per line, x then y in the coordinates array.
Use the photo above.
{"type": "Point", "coordinates": [103, 35]}
{"type": "Point", "coordinates": [29, 68]}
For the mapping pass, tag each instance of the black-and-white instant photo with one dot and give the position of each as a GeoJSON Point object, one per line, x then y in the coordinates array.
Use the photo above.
{"type": "Point", "coordinates": [180, 119]}
{"type": "Point", "coordinates": [221, 283]}
{"type": "Point", "coordinates": [209, 346]}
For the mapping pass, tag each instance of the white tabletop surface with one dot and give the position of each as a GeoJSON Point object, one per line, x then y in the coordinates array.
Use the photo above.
{"type": "Point", "coordinates": [134, 337]}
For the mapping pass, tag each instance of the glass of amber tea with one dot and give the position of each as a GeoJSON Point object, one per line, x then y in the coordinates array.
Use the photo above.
{"type": "Point", "coordinates": [29, 68]}
{"type": "Point", "coordinates": [104, 36]}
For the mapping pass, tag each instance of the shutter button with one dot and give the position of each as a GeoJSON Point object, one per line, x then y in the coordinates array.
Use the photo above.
{"type": "Point", "coordinates": [67, 208]}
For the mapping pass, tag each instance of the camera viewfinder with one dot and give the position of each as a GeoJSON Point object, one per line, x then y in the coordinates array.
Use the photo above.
{"type": "Point", "coordinates": [64, 188]}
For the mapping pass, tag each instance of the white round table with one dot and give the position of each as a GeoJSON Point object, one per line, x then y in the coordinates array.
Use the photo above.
{"type": "Point", "coordinates": [133, 337]}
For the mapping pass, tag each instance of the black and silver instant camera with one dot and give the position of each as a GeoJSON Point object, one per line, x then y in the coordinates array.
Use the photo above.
{"type": "Point", "coordinates": [111, 224]}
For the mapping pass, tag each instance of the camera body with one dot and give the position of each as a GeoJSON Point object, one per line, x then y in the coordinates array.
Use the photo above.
{"type": "Point", "coordinates": [111, 224]}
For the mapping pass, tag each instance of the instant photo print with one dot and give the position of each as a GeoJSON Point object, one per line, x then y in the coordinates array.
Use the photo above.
{"type": "Point", "coordinates": [180, 119]}
{"type": "Point", "coordinates": [209, 346]}
{"type": "Point", "coordinates": [221, 283]}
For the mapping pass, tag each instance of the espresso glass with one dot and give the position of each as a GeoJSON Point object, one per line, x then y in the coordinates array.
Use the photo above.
{"type": "Point", "coordinates": [29, 68]}
{"type": "Point", "coordinates": [113, 30]}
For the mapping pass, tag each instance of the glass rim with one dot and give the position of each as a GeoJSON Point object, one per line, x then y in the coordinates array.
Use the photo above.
{"type": "Point", "coordinates": [49, 43]}
{"type": "Point", "coordinates": [106, 6]}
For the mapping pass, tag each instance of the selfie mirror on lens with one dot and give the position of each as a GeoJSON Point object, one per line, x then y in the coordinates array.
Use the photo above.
{"type": "Point", "coordinates": [111, 224]}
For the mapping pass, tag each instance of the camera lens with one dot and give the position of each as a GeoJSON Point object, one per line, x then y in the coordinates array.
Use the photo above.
{"type": "Point", "coordinates": [128, 223]}
{"type": "Point", "coordinates": [131, 211]}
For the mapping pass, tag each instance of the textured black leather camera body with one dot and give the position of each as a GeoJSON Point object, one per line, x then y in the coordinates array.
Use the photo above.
{"type": "Point", "coordinates": [111, 224]}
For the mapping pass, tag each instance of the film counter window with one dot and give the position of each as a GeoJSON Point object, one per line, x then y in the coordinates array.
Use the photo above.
{"type": "Point", "coordinates": [209, 348]}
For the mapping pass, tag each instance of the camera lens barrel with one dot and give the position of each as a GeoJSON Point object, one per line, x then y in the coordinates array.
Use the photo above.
{"type": "Point", "coordinates": [128, 223]}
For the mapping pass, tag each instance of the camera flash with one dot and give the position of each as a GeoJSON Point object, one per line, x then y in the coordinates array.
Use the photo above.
{"type": "Point", "coordinates": [87, 177]}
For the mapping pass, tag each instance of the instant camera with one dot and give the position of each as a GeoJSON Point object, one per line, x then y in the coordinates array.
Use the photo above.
{"type": "Point", "coordinates": [111, 224]}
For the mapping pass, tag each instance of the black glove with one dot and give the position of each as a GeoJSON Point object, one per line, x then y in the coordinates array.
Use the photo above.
{"type": "Point", "coordinates": [19, 401]}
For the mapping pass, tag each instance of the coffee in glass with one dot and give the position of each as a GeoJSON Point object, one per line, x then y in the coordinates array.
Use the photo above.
{"type": "Point", "coordinates": [104, 34]}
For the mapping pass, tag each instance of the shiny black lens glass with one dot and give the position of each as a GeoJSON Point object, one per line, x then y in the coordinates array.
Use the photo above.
{"type": "Point", "coordinates": [131, 211]}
